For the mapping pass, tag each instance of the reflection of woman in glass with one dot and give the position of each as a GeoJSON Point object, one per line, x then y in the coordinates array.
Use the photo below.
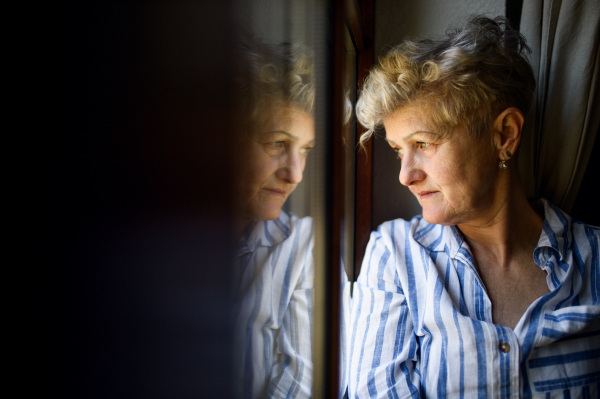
{"type": "Point", "coordinates": [275, 260]}
{"type": "Point", "coordinates": [487, 294]}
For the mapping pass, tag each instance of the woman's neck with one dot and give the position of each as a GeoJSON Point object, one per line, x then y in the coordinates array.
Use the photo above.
{"type": "Point", "coordinates": [509, 229]}
{"type": "Point", "coordinates": [502, 243]}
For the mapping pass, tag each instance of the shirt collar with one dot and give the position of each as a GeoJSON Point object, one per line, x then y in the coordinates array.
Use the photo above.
{"type": "Point", "coordinates": [556, 233]}
{"type": "Point", "coordinates": [266, 233]}
{"type": "Point", "coordinates": [436, 237]}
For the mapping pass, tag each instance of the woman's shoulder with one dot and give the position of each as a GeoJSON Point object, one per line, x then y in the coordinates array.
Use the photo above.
{"type": "Point", "coordinates": [565, 233]}
{"type": "Point", "coordinates": [397, 249]}
{"type": "Point", "coordinates": [292, 240]}
{"type": "Point", "coordinates": [585, 231]}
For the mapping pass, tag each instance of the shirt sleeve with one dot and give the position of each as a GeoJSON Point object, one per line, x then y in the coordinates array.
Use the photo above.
{"type": "Point", "coordinates": [383, 347]}
{"type": "Point", "coordinates": [292, 368]}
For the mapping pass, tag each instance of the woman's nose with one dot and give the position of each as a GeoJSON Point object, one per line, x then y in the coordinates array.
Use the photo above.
{"type": "Point", "coordinates": [292, 169]}
{"type": "Point", "coordinates": [410, 173]}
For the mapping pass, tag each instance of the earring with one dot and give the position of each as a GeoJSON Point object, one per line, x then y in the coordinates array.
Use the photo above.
{"type": "Point", "coordinates": [502, 164]}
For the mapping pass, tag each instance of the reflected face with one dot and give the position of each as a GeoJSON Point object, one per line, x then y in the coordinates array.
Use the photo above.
{"type": "Point", "coordinates": [453, 175]}
{"type": "Point", "coordinates": [276, 157]}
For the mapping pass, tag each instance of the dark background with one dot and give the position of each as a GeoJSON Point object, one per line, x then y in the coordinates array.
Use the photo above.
{"type": "Point", "coordinates": [136, 235]}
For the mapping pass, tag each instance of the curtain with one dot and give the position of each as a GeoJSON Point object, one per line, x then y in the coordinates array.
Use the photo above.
{"type": "Point", "coordinates": [563, 121]}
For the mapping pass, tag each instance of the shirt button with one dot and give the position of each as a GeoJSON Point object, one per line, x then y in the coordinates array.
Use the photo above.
{"type": "Point", "coordinates": [504, 347]}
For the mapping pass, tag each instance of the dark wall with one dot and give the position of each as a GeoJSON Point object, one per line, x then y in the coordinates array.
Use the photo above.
{"type": "Point", "coordinates": [136, 234]}
{"type": "Point", "coordinates": [586, 207]}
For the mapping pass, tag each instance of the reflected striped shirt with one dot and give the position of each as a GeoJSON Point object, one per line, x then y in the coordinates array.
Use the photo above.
{"type": "Point", "coordinates": [422, 321]}
{"type": "Point", "coordinates": [274, 309]}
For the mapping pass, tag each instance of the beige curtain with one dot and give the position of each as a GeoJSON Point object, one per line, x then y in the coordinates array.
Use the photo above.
{"type": "Point", "coordinates": [563, 121]}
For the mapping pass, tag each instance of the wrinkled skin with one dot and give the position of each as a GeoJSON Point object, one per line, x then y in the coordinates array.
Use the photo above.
{"type": "Point", "coordinates": [274, 161]}
{"type": "Point", "coordinates": [454, 175]}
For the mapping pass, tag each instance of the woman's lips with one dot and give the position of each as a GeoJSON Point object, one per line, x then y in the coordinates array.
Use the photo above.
{"type": "Point", "coordinates": [425, 194]}
{"type": "Point", "coordinates": [276, 192]}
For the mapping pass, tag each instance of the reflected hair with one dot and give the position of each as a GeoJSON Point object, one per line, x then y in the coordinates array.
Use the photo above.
{"type": "Point", "coordinates": [470, 77]}
{"type": "Point", "coordinates": [275, 77]}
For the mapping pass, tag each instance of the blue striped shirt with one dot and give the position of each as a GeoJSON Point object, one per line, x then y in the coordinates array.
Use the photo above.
{"type": "Point", "coordinates": [274, 292]}
{"type": "Point", "coordinates": [422, 320]}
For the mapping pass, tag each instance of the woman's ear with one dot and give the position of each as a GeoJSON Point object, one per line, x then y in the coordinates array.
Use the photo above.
{"type": "Point", "coordinates": [507, 132]}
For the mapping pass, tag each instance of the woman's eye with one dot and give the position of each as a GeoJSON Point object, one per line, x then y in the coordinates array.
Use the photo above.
{"type": "Point", "coordinates": [306, 150]}
{"type": "Point", "coordinates": [274, 148]}
{"type": "Point", "coordinates": [276, 145]}
{"type": "Point", "coordinates": [423, 145]}
{"type": "Point", "coordinates": [399, 151]}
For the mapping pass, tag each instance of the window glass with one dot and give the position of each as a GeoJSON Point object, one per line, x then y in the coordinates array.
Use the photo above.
{"type": "Point", "coordinates": [287, 328]}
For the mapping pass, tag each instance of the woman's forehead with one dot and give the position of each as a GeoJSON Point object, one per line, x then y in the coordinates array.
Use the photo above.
{"type": "Point", "coordinates": [288, 112]}
{"type": "Point", "coordinates": [408, 119]}
{"type": "Point", "coordinates": [292, 120]}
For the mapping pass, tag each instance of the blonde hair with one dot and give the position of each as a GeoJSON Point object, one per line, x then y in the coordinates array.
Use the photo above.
{"type": "Point", "coordinates": [470, 77]}
{"type": "Point", "coordinates": [276, 77]}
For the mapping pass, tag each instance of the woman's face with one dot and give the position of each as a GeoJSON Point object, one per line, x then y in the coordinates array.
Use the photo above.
{"type": "Point", "coordinates": [276, 157]}
{"type": "Point", "coordinates": [453, 176]}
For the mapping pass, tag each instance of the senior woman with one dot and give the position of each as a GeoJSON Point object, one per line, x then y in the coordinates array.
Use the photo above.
{"type": "Point", "coordinates": [274, 264]}
{"type": "Point", "coordinates": [487, 294]}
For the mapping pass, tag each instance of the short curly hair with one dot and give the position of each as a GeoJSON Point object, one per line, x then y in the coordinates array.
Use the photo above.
{"type": "Point", "coordinates": [276, 76]}
{"type": "Point", "coordinates": [470, 77]}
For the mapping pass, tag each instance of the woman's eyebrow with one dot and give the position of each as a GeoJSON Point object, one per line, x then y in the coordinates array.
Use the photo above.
{"type": "Point", "coordinates": [295, 138]}
{"type": "Point", "coordinates": [283, 132]}
{"type": "Point", "coordinates": [408, 136]}
{"type": "Point", "coordinates": [405, 138]}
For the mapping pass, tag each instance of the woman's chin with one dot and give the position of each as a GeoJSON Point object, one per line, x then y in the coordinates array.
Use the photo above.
{"type": "Point", "coordinates": [272, 215]}
{"type": "Point", "coordinates": [260, 209]}
{"type": "Point", "coordinates": [266, 213]}
{"type": "Point", "coordinates": [436, 216]}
